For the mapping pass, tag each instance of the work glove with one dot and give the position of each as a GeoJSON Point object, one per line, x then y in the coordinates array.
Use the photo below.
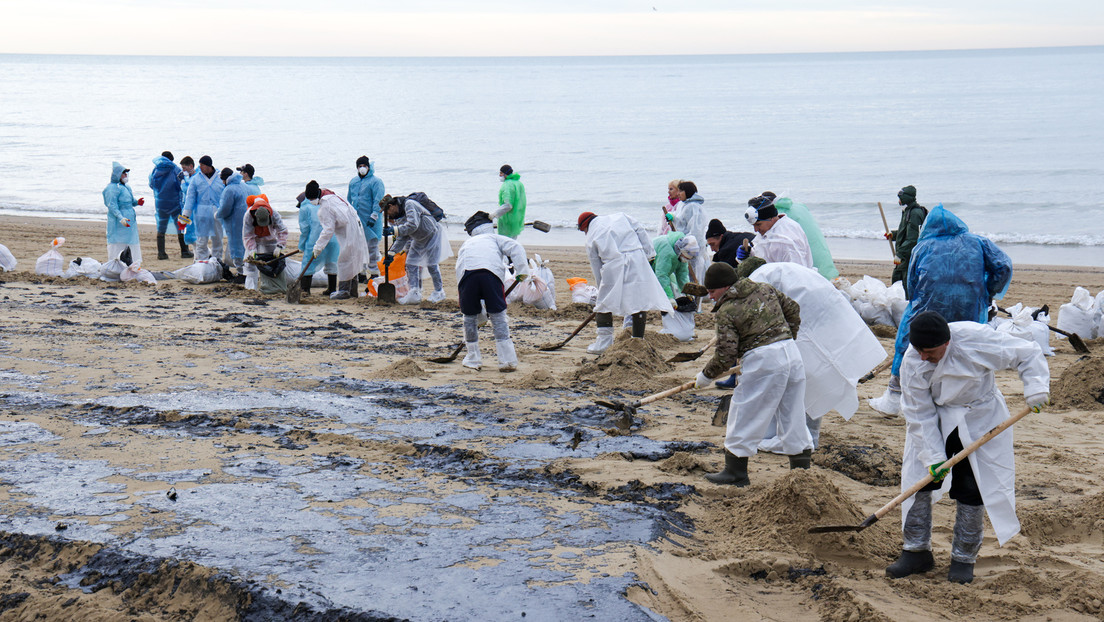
{"type": "Point", "coordinates": [896, 261]}
{"type": "Point", "coordinates": [124, 222]}
{"type": "Point", "coordinates": [521, 277]}
{"type": "Point", "coordinates": [388, 259]}
{"type": "Point", "coordinates": [888, 235]}
{"type": "Point", "coordinates": [141, 200]}
{"type": "Point", "coordinates": [742, 253]}
{"type": "Point", "coordinates": [315, 253]}
{"type": "Point", "coordinates": [670, 217]}
{"type": "Point", "coordinates": [388, 230]}
{"type": "Point", "coordinates": [1037, 401]}
{"type": "Point", "coordinates": [255, 256]}
{"type": "Point", "coordinates": [937, 473]}
{"type": "Point", "coordinates": [279, 251]}
{"type": "Point", "coordinates": [702, 381]}
{"type": "Point", "coordinates": [184, 220]}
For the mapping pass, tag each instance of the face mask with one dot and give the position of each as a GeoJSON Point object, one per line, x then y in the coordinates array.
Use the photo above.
{"type": "Point", "coordinates": [501, 177]}
{"type": "Point", "coordinates": [315, 201]}
{"type": "Point", "coordinates": [123, 179]}
{"type": "Point", "coordinates": [363, 171]}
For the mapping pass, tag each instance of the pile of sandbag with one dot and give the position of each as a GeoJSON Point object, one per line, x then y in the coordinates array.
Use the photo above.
{"type": "Point", "coordinates": [1026, 324]}
{"type": "Point", "coordinates": [1083, 314]}
{"type": "Point", "coordinates": [539, 290]}
{"type": "Point", "coordinates": [876, 303]}
{"type": "Point", "coordinates": [83, 266]}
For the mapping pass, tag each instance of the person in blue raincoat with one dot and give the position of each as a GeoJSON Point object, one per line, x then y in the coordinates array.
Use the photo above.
{"type": "Point", "coordinates": [952, 272]}
{"type": "Point", "coordinates": [122, 230]}
{"type": "Point", "coordinates": [164, 180]}
{"type": "Point", "coordinates": [251, 179]}
{"type": "Point", "coordinates": [187, 166]}
{"type": "Point", "coordinates": [232, 208]}
{"type": "Point", "coordinates": [365, 192]}
{"type": "Point", "coordinates": [309, 230]}
{"type": "Point", "coordinates": [204, 195]}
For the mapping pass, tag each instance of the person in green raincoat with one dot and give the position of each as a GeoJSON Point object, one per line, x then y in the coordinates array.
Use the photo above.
{"type": "Point", "coordinates": [510, 215]}
{"type": "Point", "coordinates": [673, 252]}
{"type": "Point", "coordinates": [822, 257]}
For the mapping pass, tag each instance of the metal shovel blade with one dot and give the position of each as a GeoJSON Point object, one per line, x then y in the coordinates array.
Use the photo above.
{"type": "Point", "coordinates": [870, 520]}
{"type": "Point", "coordinates": [720, 418]}
{"type": "Point", "coordinates": [450, 358]}
{"type": "Point", "coordinates": [682, 357]}
{"type": "Point", "coordinates": [385, 292]}
{"type": "Point", "coordinates": [618, 406]}
{"type": "Point", "coordinates": [543, 227]}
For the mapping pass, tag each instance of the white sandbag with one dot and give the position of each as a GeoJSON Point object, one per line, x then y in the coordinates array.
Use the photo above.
{"type": "Point", "coordinates": [51, 263]}
{"type": "Point", "coordinates": [876, 303]}
{"type": "Point", "coordinates": [1022, 325]}
{"type": "Point", "coordinates": [679, 324]}
{"type": "Point", "coordinates": [112, 270]}
{"type": "Point", "coordinates": [541, 271]}
{"type": "Point", "coordinates": [83, 266]}
{"type": "Point", "coordinates": [1098, 315]}
{"type": "Point", "coordinates": [536, 293]}
{"type": "Point", "coordinates": [270, 284]}
{"type": "Point", "coordinates": [206, 271]}
{"type": "Point", "coordinates": [7, 260]}
{"type": "Point", "coordinates": [135, 272]}
{"type": "Point", "coordinates": [292, 268]}
{"type": "Point", "coordinates": [1076, 316]}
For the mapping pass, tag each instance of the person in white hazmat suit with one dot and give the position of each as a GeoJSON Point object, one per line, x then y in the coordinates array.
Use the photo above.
{"type": "Point", "coordinates": [777, 237]}
{"type": "Point", "coordinates": [339, 219]}
{"type": "Point", "coordinates": [690, 219]}
{"type": "Point", "coordinates": [950, 399]}
{"type": "Point", "coordinates": [480, 274]}
{"type": "Point", "coordinates": [263, 232]}
{"type": "Point", "coordinates": [837, 347]}
{"type": "Point", "coordinates": [756, 325]}
{"type": "Point", "coordinates": [619, 249]}
{"type": "Point", "coordinates": [425, 242]}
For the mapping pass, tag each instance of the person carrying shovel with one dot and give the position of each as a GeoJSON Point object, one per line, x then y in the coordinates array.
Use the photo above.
{"type": "Point", "coordinates": [757, 324]}
{"type": "Point", "coordinates": [480, 272]}
{"type": "Point", "coordinates": [950, 398]}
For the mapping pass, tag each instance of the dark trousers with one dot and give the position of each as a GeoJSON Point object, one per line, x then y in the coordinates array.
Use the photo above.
{"type": "Point", "coordinates": [964, 487]}
{"type": "Point", "coordinates": [481, 286]}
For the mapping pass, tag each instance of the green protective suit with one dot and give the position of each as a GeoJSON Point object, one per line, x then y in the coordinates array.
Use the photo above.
{"type": "Point", "coordinates": [905, 238]}
{"type": "Point", "coordinates": [512, 191]}
{"type": "Point", "coordinates": [822, 257]}
{"type": "Point", "coordinates": [671, 272]}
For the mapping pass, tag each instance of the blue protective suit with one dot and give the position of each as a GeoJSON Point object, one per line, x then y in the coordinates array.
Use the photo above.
{"type": "Point", "coordinates": [120, 204]}
{"type": "Point", "coordinates": [953, 272]}
{"type": "Point", "coordinates": [254, 185]}
{"type": "Point", "coordinates": [309, 230]}
{"type": "Point", "coordinates": [204, 195]}
{"type": "Point", "coordinates": [231, 211]}
{"type": "Point", "coordinates": [189, 230]}
{"type": "Point", "coordinates": [164, 180]}
{"type": "Point", "coordinates": [364, 195]}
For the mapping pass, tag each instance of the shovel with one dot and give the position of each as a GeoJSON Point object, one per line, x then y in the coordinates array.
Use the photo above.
{"type": "Point", "coordinates": [899, 499]}
{"type": "Point", "coordinates": [1074, 339]}
{"type": "Point", "coordinates": [385, 292]}
{"type": "Point", "coordinates": [682, 357]}
{"type": "Point", "coordinates": [884, 365]}
{"type": "Point", "coordinates": [630, 407]}
{"type": "Point", "coordinates": [273, 260]}
{"type": "Point", "coordinates": [295, 290]}
{"type": "Point", "coordinates": [541, 226]}
{"type": "Point", "coordinates": [557, 346]}
{"type": "Point", "coordinates": [452, 357]}
{"type": "Point", "coordinates": [892, 248]}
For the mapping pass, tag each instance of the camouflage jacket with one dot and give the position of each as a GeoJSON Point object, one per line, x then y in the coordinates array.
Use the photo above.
{"type": "Point", "coordinates": [750, 315]}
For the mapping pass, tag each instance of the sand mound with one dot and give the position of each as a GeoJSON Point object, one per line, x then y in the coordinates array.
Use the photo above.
{"type": "Point", "coordinates": [684, 463]}
{"type": "Point", "coordinates": [876, 465]}
{"type": "Point", "coordinates": [402, 369]}
{"type": "Point", "coordinates": [538, 379]}
{"type": "Point", "coordinates": [1064, 525]}
{"type": "Point", "coordinates": [627, 364]}
{"type": "Point", "coordinates": [881, 331]}
{"type": "Point", "coordinates": [1081, 385]}
{"type": "Point", "coordinates": [656, 340]}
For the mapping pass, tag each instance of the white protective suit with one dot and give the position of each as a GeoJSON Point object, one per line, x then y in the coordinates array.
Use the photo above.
{"type": "Point", "coordinates": [422, 237]}
{"type": "Point", "coordinates": [338, 218]}
{"type": "Point", "coordinates": [771, 390]}
{"type": "Point", "coordinates": [485, 250]}
{"type": "Point", "coordinates": [277, 236]}
{"type": "Point", "coordinates": [836, 345]}
{"type": "Point", "coordinates": [785, 241]}
{"type": "Point", "coordinates": [961, 392]}
{"type": "Point", "coordinates": [690, 219]}
{"type": "Point", "coordinates": [619, 249]}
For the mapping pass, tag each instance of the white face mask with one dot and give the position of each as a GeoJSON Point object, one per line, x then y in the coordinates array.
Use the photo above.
{"type": "Point", "coordinates": [123, 179]}
{"type": "Point", "coordinates": [315, 201]}
{"type": "Point", "coordinates": [501, 177]}
{"type": "Point", "coordinates": [363, 171]}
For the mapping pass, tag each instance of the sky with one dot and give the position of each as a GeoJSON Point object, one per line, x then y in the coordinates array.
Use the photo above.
{"type": "Point", "coordinates": [538, 28]}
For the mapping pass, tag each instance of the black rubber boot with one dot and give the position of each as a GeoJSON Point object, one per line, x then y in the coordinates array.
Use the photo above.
{"type": "Point", "coordinates": [909, 563]}
{"type": "Point", "coordinates": [161, 254]}
{"type": "Point", "coordinates": [304, 284]}
{"type": "Point", "coordinates": [331, 284]}
{"type": "Point", "coordinates": [734, 473]}
{"type": "Point", "coordinates": [802, 460]}
{"type": "Point", "coordinates": [639, 320]}
{"type": "Point", "coordinates": [960, 572]}
{"type": "Point", "coordinates": [184, 252]}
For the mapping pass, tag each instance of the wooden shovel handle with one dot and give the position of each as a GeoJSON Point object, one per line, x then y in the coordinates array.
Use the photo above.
{"type": "Point", "coordinates": [686, 386]}
{"type": "Point", "coordinates": [959, 457]}
{"type": "Point", "coordinates": [892, 248]}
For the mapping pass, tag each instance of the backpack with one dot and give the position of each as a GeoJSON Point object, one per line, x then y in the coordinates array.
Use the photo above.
{"type": "Point", "coordinates": [433, 209]}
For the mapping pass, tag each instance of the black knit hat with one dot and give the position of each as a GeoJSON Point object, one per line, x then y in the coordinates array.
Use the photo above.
{"type": "Point", "coordinates": [206, 160]}
{"type": "Point", "coordinates": [719, 275]}
{"type": "Point", "coordinates": [226, 173]}
{"type": "Point", "coordinates": [928, 329]}
{"type": "Point", "coordinates": [363, 161]}
{"type": "Point", "coordinates": [506, 170]}
{"type": "Point", "coordinates": [476, 219]}
{"type": "Point", "coordinates": [715, 229]}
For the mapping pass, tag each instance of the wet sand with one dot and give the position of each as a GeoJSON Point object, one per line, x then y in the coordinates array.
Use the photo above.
{"type": "Point", "coordinates": [323, 469]}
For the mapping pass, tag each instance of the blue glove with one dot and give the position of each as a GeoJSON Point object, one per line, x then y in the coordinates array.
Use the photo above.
{"type": "Point", "coordinates": [388, 259]}
{"type": "Point", "coordinates": [742, 254]}
{"type": "Point", "coordinates": [388, 230]}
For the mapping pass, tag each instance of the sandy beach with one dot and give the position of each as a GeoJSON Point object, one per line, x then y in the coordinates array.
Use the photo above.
{"type": "Point", "coordinates": [180, 452]}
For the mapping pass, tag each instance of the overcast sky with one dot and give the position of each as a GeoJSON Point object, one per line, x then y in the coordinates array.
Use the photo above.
{"type": "Point", "coordinates": [538, 28]}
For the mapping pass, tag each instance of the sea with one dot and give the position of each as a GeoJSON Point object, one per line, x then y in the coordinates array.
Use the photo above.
{"type": "Point", "coordinates": [1010, 140]}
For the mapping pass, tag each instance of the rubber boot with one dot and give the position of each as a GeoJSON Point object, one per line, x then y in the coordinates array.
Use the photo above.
{"type": "Point", "coordinates": [331, 284]}
{"type": "Point", "coordinates": [603, 342]}
{"type": "Point", "coordinates": [473, 359]}
{"type": "Point", "coordinates": [305, 283]}
{"type": "Point", "coordinates": [184, 252]}
{"type": "Point", "coordinates": [727, 383]}
{"type": "Point", "coordinates": [960, 572]}
{"type": "Point", "coordinates": [161, 254]}
{"type": "Point", "coordinates": [910, 563]}
{"type": "Point", "coordinates": [507, 357]}
{"type": "Point", "coordinates": [802, 460]}
{"type": "Point", "coordinates": [345, 290]}
{"type": "Point", "coordinates": [639, 320]}
{"type": "Point", "coordinates": [734, 473]}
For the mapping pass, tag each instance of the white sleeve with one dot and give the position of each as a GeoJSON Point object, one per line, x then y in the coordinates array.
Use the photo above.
{"type": "Point", "coordinates": [919, 409]}
{"type": "Point", "coordinates": [328, 219]}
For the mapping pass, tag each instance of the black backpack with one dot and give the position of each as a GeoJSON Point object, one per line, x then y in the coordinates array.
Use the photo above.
{"type": "Point", "coordinates": [433, 209]}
